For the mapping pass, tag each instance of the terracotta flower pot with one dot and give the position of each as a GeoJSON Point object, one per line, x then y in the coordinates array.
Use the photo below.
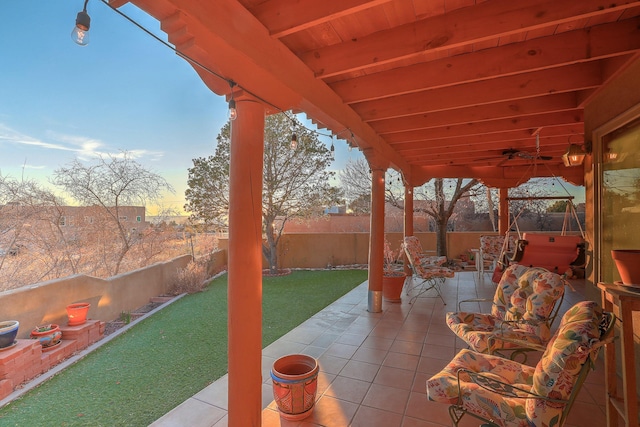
{"type": "Point", "coordinates": [295, 383]}
{"type": "Point", "coordinates": [77, 313]}
{"type": "Point", "coordinates": [392, 287]}
{"type": "Point", "coordinates": [48, 335]}
{"type": "Point", "coordinates": [628, 264]}
{"type": "Point", "coordinates": [8, 332]}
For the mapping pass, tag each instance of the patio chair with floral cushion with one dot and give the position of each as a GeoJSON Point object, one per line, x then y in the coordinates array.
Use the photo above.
{"type": "Point", "coordinates": [524, 306]}
{"type": "Point", "coordinates": [490, 250]}
{"type": "Point", "coordinates": [505, 393]}
{"type": "Point", "coordinates": [428, 270]}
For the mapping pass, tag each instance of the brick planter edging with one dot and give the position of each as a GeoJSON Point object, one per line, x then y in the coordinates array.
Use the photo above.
{"type": "Point", "coordinates": [26, 360]}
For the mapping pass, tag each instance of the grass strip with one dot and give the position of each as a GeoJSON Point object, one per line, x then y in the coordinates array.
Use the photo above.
{"type": "Point", "coordinates": [167, 358]}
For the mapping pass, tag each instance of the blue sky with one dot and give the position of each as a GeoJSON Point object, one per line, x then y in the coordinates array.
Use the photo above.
{"type": "Point", "coordinates": [124, 91]}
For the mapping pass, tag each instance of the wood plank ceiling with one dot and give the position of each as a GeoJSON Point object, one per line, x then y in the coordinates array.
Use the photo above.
{"type": "Point", "coordinates": [436, 88]}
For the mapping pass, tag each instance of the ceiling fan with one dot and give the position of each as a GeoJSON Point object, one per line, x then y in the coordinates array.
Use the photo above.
{"type": "Point", "coordinates": [512, 153]}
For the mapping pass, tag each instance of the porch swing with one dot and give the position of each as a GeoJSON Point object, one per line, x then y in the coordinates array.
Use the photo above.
{"type": "Point", "coordinates": [557, 253]}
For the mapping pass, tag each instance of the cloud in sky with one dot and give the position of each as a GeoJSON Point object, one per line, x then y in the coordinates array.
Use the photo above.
{"type": "Point", "coordinates": [85, 148]}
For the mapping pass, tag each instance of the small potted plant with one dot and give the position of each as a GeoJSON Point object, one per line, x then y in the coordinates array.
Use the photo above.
{"type": "Point", "coordinates": [393, 276]}
{"type": "Point", "coordinates": [49, 335]}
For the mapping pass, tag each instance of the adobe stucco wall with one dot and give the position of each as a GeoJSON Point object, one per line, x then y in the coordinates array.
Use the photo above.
{"type": "Point", "coordinates": [46, 302]}
{"type": "Point", "coordinates": [319, 250]}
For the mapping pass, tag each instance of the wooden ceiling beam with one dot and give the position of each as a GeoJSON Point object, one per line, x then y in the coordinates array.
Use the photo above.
{"type": "Point", "coordinates": [284, 17]}
{"type": "Point", "coordinates": [263, 67]}
{"type": "Point", "coordinates": [494, 126]}
{"type": "Point", "coordinates": [495, 177]}
{"type": "Point", "coordinates": [505, 138]}
{"type": "Point", "coordinates": [555, 80]}
{"type": "Point", "coordinates": [582, 45]}
{"type": "Point", "coordinates": [464, 26]}
{"type": "Point", "coordinates": [476, 113]}
{"type": "Point", "coordinates": [495, 148]}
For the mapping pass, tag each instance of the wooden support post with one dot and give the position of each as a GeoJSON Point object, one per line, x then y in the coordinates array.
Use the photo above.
{"type": "Point", "coordinates": [245, 265]}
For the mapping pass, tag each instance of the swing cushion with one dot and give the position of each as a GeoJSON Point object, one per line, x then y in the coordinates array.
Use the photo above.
{"type": "Point", "coordinates": [555, 253]}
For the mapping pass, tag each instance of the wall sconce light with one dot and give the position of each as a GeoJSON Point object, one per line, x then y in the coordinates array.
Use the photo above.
{"type": "Point", "coordinates": [80, 33]}
{"type": "Point", "coordinates": [574, 156]}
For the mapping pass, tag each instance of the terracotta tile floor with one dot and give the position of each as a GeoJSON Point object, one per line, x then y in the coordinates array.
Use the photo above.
{"type": "Point", "coordinates": [373, 366]}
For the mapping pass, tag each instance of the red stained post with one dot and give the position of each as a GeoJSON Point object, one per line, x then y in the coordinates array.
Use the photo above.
{"type": "Point", "coordinates": [376, 241]}
{"type": "Point", "coordinates": [245, 264]}
{"type": "Point", "coordinates": [408, 221]}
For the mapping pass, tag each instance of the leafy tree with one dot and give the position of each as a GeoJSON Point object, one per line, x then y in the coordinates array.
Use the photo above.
{"type": "Point", "coordinates": [356, 181]}
{"type": "Point", "coordinates": [109, 183]}
{"type": "Point", "coordinates": [295, 181]}
{"type": "Point", "coordinates": [558, 206]}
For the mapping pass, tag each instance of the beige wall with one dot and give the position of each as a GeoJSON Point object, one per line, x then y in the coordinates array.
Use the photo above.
{"type": "Point", "coordinates": [45, 302]}
{"type": "Point", "coordinates": [319, 250]}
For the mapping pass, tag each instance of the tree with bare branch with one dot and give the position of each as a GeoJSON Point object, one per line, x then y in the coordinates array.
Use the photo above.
{"type": "Point", "coordinates": [356, 182]}
{"type": "Point", "coordinates": [111, 182]}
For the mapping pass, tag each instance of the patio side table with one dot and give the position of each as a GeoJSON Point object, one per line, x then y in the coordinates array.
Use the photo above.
{"type": "Point", "coordinates": [626, 301]}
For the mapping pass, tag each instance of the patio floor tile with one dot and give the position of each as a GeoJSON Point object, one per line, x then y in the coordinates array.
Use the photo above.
{"type": "Point", "coordinates": [374, 366]}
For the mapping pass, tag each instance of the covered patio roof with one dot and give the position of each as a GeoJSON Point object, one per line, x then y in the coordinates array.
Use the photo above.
{"type": "Point", "coordinates": [446, 88]}
{"type": "Point", "coordinates": [494, 90]}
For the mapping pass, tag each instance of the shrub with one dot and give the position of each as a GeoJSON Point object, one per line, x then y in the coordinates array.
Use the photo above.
{"type": "Point", "coordinates": [191, 279]}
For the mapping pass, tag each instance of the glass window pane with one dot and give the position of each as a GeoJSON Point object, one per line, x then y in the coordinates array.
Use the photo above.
{"type": "Point", "coordinates": [620, 195]}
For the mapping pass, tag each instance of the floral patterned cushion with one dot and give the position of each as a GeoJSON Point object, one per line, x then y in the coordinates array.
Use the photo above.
{"type": "Point", "coordinates": [427, 267]}
{"type": "Point", "coordinates": [525, 298]}
{"type": "Point", "coordinates": [491, 246]}
{"type": "Point", "coordinates": [560, 365]}
{"type": "Point", "coordinates": [555, 375]}
{"type": "Point", "coordinates": [506, 287]}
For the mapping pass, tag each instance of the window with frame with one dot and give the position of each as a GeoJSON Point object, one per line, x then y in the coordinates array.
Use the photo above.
{"type": "Point", "coordinates": [619, 195]}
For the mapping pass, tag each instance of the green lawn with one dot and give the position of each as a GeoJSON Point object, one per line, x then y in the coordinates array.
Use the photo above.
{"type": "Point", "coordinates": [160, 362]}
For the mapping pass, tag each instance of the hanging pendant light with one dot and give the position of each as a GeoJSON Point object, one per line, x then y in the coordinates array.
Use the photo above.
{"type": "Point", "coordinates": [80, 33]}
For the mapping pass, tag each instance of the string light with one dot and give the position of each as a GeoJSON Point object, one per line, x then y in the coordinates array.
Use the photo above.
{"type": "Point", "coordinates": [233, 113]}
{"type": "Point", "coordinates": [333, 149]}
{"type": "Point", "coordinates": [80, 33]}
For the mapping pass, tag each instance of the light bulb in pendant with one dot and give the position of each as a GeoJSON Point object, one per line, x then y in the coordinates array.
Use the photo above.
{"type": "Point", "coordinates": [80, 33]}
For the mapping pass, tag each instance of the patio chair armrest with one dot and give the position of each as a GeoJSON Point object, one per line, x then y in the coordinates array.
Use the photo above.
{"type": "Point", "coordinates": [502, 388]}
{"type": "Point", "coordinates": [521, 343]}
{"type": "Point", "coordinates": [473, 300]}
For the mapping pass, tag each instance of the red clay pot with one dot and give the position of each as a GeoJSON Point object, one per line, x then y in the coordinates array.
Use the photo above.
{"type": "Point", "coordinates": [77, 313]}
{"type": "Point", "coordinates": [392, 287]}
{"type": "Point", "coordinates": [628, 264]}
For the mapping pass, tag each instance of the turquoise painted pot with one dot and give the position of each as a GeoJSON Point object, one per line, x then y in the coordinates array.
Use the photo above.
{"type": "Point", "coordinates": [48, 335]}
